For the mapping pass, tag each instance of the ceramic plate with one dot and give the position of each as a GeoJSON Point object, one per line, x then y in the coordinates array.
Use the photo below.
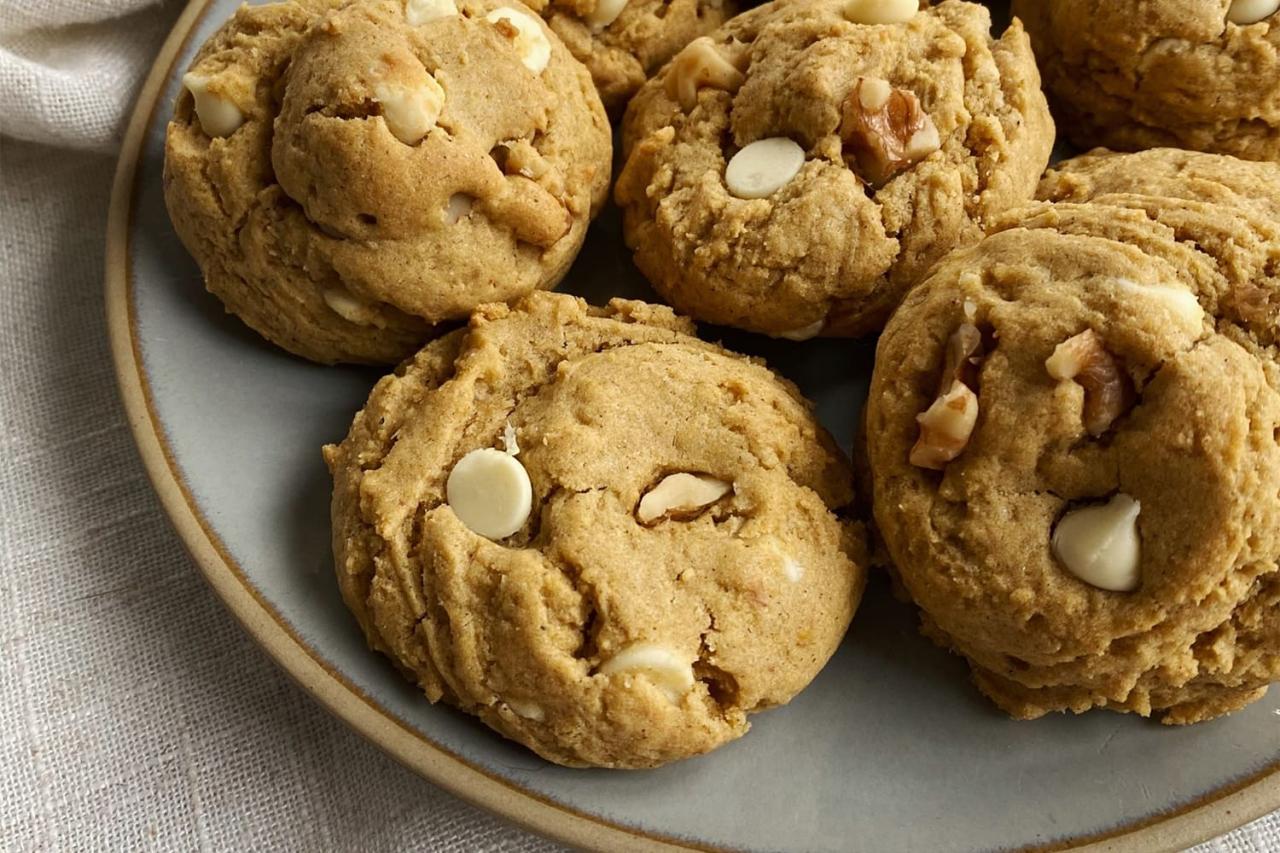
{"type": "Point", "coordinates": [889, 749]}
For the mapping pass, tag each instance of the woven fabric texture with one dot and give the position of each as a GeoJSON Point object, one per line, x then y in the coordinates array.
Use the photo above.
{"type": "Point", "coordinates": [134, 713]}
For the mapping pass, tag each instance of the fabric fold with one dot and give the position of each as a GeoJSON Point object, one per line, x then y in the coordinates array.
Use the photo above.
{"type": "Point", "coordinates": [73, 86]}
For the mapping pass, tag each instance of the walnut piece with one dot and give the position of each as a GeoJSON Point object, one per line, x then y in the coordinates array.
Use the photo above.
{"type": "Point", "coordinates": [964, 351]}
{"type": "Point", "coordinates": [702, 64]}
{"type": "Point", "coordinates": [1108, 392]}
{"type": "Point", "coordinates": [681, 496]}
{"type": "Point", "coordinates": [946, 425]}
{"type": "Point", "coordinates": [886, 129]}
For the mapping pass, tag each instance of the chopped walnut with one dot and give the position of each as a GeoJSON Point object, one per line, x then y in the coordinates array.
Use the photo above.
{"type": "Point", "coordinates": [703, 64]}
{"type": "Point", "coordinates": [946, 425]}
{"type": "Point", "coordinates": [886, 129]}
{"type": "Point", "coordinates": [964, 348]}
{"type": "Point", "coordinates": [1108, 392]}
{"type": "Point", "coordinates": [681, 497]}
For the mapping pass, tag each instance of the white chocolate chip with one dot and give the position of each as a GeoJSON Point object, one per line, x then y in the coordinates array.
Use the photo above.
{"type": "Point", "coordinates": [763, 167]}
{"type": "Point", "coordinates": [604, 13]}
{"type": "Point", "coordinates": [880, 11]}
{"type": "Point", "coordinates": [663, 667]}
{"type": "Point", "coordinates": [1246, 12]}
{"type": "Point", "coordinates": [1180, 302]}
{"type": "Point", "coordinates": [419, 12]}
{"type": "Point", "coordinates": [218, 115]}
{"type": "Point", "coordinates": [490, 493]}
{"type": "Point", "coordinates": [458, 207]}
{"type": "Point", "coordinates": [681, 495]}
{"type": "Point", "coordinates": [348, 307]}
{"type": "Point", "coordinates": [528, 38]}
{"type": "Point", "coordinates": [410, 113]}
{"type": "Point", "coordinates": [1100, 544]}
{"type": "Point", "coordinates": [804, 333]}
{"type": "Point", "coordinates": [793, 570]}
{"type": "Point", "coordinates": [528, 710]}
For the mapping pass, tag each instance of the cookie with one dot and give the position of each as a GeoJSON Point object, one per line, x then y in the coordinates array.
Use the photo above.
{"type": "Point", "coordinates": [351, 175]}
{"type": "Point", "coordinates": [622, 42]}
{"type": "Point", "coordinates": [1073, 433]}
{"type": "Point", "coordinates": [798, 170]}
{"type": "Point", "coordinates": [608, 540]}
{"type": "Point", "coordinates": [1128, 74]}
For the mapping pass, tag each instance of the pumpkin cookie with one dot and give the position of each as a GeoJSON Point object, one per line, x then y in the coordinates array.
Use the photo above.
{"type": "Point", "coordinates": [1129, 74]}
{"type": "Point", "coordinates": [607, 539]}
{"type": "Point", "coordinates": [348, 175]}
{"type": "Point", "coordinates": [796, 171]}
{"type": "Point", "coordinates": [622, 42]}
{"type": "Point", "coordinates": [1073, 432]}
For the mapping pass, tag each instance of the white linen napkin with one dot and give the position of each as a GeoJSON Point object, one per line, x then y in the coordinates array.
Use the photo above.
{"type": "Point", "coordinates": [135, 714]}
{"type": "Point", "coordinates": [70, 69]}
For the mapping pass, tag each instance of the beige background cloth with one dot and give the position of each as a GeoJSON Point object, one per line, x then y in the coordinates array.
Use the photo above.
{"type": "Point", "coordinates": [134, 711]}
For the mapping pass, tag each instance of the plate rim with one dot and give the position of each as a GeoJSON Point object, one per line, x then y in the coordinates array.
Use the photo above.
{"type": "Point", "coordinates": [1209, 815]}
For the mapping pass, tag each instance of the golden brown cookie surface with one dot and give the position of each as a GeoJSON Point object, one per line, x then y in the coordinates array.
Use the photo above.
{"type": "Point", "coordinates": [1199, 74]}
{"type": "Point", "coordinates": [346, 177]}
{"type": "Point", "coordinates": [1094, 520]}
{"type": "Point", "coordinates": [622, 42]}
{"type": "Point", "coordinates": [796, 171]}
{"type": "Point", "coordinates": [659, 552]}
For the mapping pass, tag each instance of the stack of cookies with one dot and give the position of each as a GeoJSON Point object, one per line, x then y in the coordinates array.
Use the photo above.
{"type": "Point", "coordinates": [613, 541]}
{"type": "Point", "coordinates": [1074, 438]}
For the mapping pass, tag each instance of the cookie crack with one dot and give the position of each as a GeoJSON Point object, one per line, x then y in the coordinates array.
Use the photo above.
{"type": "Point", "coordinates": [721, 685]}
{"type": "Point", "coordinates": [215, 189]}
{"type": "Point", "coordinates": [588, 648]}
{"type": "Point", "coordinates": [537, 519]}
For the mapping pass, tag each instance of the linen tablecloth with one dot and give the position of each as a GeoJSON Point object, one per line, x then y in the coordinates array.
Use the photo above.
{"type": "Point", "coordinates": [134, 711]}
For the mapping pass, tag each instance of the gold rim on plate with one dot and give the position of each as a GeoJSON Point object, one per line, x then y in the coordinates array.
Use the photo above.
{"type": "Point", "coordinates": [1209, 815]}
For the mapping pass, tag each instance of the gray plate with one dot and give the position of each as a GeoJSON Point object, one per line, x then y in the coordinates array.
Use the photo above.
{"type": "Point", "coordinates": [890, 749]}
